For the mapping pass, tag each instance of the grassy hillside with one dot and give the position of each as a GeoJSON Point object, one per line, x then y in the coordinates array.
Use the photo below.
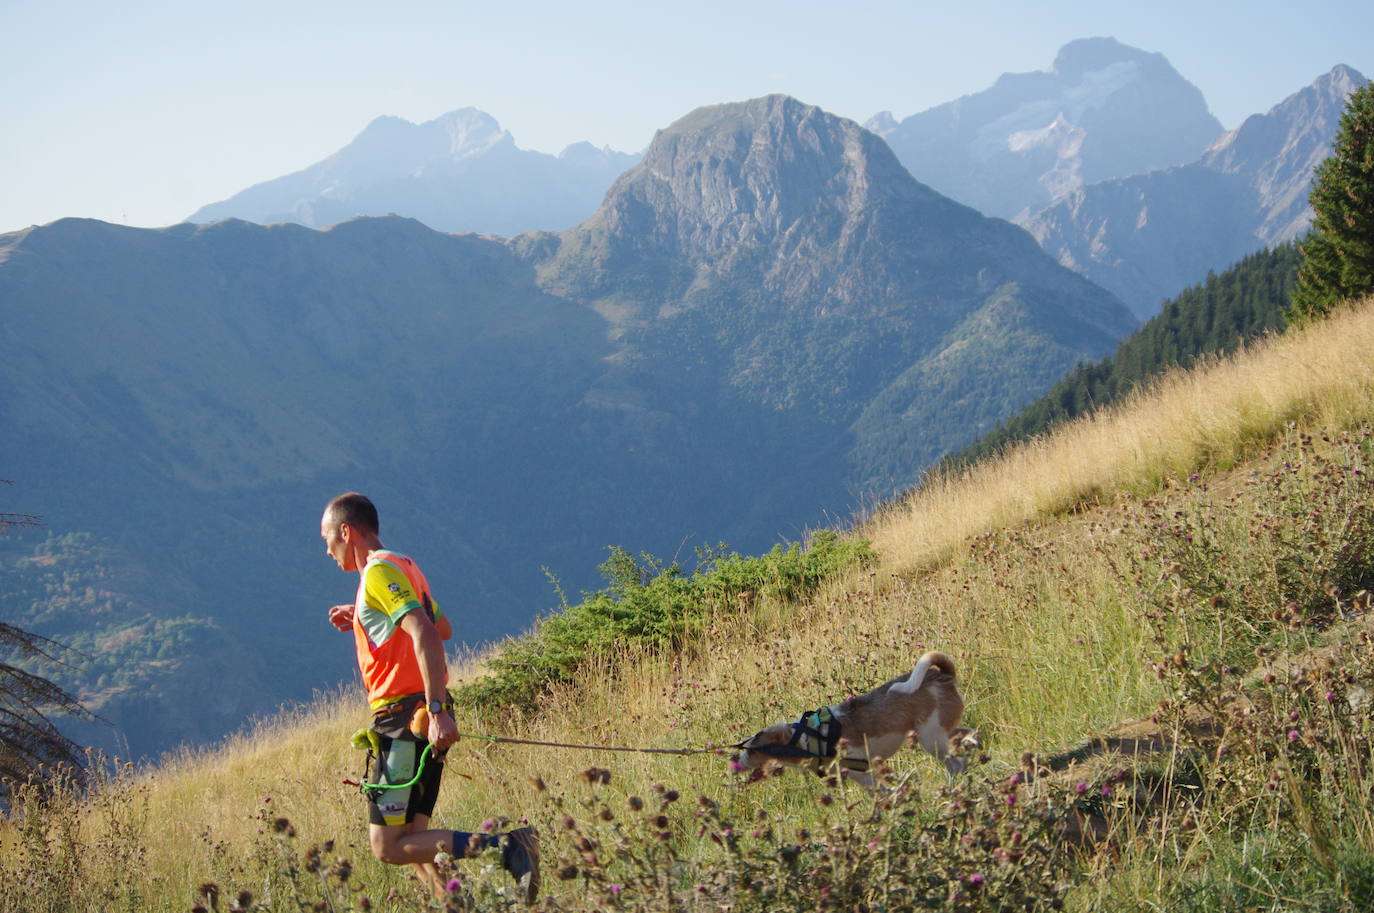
{"type": "Point", "coordinates": [1215, 316]}
{"type": "Point", "coordinates": [1195, 559]}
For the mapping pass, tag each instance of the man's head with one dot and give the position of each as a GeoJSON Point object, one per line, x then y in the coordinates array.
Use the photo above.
{"type": "Point", "coordinates": [350, 529]}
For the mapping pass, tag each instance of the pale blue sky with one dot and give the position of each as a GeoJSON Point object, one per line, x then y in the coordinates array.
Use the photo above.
{"type": "Point", "coordinates": [144, 110]}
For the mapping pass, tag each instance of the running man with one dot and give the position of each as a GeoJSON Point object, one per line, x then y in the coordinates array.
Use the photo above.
{"type": "Point", "coordinates": [399, 633]}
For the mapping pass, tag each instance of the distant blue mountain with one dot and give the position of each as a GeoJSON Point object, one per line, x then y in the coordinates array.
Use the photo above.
{"type": "Point", "coordinates": [1149, 236]}
{"type": "Point", "coordinates": [1102, 110]}
{"type": "Point", "coordinates": [457, 173]}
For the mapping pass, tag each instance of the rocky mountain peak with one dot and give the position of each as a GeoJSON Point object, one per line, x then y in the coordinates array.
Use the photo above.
{"type": "Point", "coordinates": [1102, 109]}
{"type": "Point", "coordinates": [1148, 236]}
{"type": "Point", "coordinates": [1084, 55]}
{"type": "Point", "coordinates": [748, 173]}
{"type": "Point", "coordinates": [458, 172]}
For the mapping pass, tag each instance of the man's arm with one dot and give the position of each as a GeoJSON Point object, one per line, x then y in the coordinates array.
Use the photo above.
{"type": "Point", "coordinates": [429, 651]}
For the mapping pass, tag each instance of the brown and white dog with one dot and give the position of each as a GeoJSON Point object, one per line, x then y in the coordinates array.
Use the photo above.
{"type": "Point", "coordinates": [871, 727]}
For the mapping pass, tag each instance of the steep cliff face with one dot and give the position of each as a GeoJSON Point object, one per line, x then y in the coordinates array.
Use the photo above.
{"type": "Point", "coordinates": [1150, 236]}
{"type": "Point", "coordinates": [1102, 110]}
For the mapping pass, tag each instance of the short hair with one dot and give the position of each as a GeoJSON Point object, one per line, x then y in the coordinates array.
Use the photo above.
{"type": "Point", "coordinates": [354, 509]}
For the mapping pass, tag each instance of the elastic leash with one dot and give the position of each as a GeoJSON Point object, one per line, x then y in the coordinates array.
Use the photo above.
{"type": "Point", "coordinates": [775, 750]}
{"type": "Point", "coordinates": [676, 751]}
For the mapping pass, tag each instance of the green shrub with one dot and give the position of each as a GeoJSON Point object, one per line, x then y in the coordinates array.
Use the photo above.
{"type": "Point", "coordinates": [649, 604]}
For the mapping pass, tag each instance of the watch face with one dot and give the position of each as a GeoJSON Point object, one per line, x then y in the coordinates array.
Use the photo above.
{"type": "Point", "coordinates": [436, 706]}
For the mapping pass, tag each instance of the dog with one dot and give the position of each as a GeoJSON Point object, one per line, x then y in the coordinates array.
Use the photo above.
{"type": "Point", "coordinates": [871, 727]}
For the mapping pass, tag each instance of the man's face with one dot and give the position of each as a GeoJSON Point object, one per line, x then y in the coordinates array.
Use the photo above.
{"type": "Point", "coordinates": [336, 536]}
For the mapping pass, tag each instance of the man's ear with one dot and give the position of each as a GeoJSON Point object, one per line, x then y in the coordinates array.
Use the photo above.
{"type": "Point", "coordinates": [345, 531]}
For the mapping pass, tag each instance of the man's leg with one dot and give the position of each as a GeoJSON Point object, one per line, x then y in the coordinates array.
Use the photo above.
{"type": "Point", "coordinates": [416, 845]}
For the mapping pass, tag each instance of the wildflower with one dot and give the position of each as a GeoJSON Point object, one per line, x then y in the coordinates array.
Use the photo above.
{"type": "Point", "coordinates": [614, 889]}
{"type": "Point", "coordinates": [1293, 715]}
{"type": "Point", "coordinates": [1330, 696]}
{"type": "Point", "coordinates": [453, 885]}
{"type": "Point", "coordinates": [1107, 790]}
{"type": "Point", "coordinates": [1011, 799]}
{"type": "Point", "coordinates": [1081, 787]}
{"type": "Point", "coordinates": [595, 775]}
{"type": "Point", "coordinates": [976, 879]}
{"type": "Point", "coordinates": [1293, 735]}
{"type": "Point", "coordinates": [736, 766]}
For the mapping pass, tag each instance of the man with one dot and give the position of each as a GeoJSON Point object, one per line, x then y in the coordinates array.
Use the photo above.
{"type": "Point", "coordinates": [399, 634]}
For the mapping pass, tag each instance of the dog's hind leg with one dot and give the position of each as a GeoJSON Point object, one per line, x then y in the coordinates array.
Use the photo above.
{"type": "Point", "coordinates": [963, 739]}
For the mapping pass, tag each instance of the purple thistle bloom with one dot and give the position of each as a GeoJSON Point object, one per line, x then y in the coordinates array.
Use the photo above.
{"type": "Point", "coordinates": [453, 885]}
{"type": "Point", "coordinates": [614, 889]}
{"type": "Point", "coordinates": [1293, 735]}
{"type": "Point", "coordinates": [976, 878]}
{"type": "Point", "coordinates": [1081, 787]}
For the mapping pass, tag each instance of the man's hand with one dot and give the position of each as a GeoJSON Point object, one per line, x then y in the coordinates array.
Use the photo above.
{"type": "Point", "coordinates": [341, 616]}
{"type": "Point", "coordinates": [443, 731]}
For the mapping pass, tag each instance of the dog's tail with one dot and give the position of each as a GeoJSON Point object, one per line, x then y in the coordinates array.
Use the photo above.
{"type": "Point", "coordinates": [934, 658]}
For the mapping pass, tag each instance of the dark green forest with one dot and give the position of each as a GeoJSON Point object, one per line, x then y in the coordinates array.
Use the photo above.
{"type": "Point", "coordinates": [1213, 317]}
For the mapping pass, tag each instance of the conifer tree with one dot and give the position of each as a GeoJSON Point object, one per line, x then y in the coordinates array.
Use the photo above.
{"type": "Point", "coordinates": [1338, 254]}
{"type": "Point", "coordinates": [29, 741]}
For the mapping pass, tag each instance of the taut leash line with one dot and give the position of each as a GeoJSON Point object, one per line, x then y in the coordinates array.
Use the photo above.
{"type": "Point", "coordinates": [514, 741]}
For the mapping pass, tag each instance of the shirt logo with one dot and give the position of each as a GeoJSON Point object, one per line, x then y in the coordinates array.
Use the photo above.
{"type": "Point", "coordinates": [394, 587]}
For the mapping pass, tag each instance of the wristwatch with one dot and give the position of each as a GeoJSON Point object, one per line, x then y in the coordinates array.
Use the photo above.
{"type": "Point", "coordinates": [435, 707]}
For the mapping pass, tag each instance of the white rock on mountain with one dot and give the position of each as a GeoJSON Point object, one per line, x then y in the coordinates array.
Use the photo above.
{"type": "Point", "coordinates": [458, 172]}
{"type": "Point", "coordinates": [1102, 110]}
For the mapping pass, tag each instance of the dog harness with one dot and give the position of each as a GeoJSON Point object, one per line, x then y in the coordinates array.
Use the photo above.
{"type": "Point", "coordinates": [815, 735]}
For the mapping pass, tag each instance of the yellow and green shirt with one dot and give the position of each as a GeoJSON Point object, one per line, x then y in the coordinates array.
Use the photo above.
{"type": "Point", "coordinates": [391, 585]}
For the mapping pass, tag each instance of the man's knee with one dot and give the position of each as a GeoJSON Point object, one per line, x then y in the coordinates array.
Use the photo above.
{"type": "Point", "coordinates": [385, 842]}
{"type": "Point", "coordinates": [388, 843]}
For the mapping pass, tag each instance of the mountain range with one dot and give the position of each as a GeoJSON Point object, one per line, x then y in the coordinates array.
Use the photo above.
{"type": "Point", "coordinates": [767, 321]}
{"type": "Point", "coordinates": [1101, 110]}
{"type": "Point", "coordinates": [459, 172]}
{"type": "Point", "coordinates": [1109, 157]}
{"type": "Point", "coordinates": [1148, 236]}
